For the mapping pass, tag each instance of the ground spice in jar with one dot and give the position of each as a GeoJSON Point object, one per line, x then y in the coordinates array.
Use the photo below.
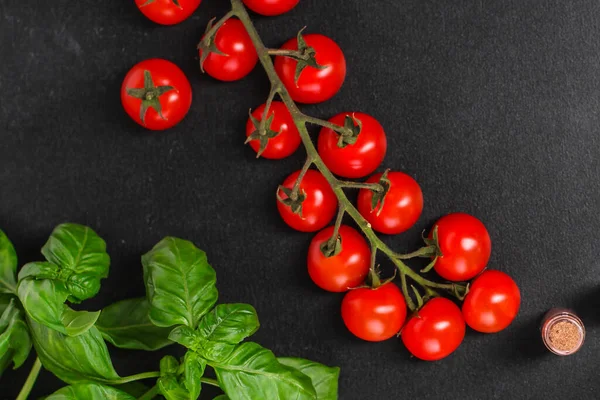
{"type": "Point", "coordinates": [564, 336]}
{"type": "Point", "coordinates": [562, 331]}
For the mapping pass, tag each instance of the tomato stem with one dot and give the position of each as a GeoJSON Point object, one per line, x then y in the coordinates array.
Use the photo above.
{"type": "Point", "coordinates": [213, 30]}
{"type": "Point", "coordinates": [305, 167]}
{"type": "Point", "coordinates": [284, 53]}
{"type": "Point", "coordinates": [373, 258]}
{"type": "Point", "coordinates": [409, 301]}
{"type": "Point", "coordinates": [272, 93]}
{"type": "Point", "coordinates": [342, 130]}
{"type": "Point", "coordinates": [425, 251]}
{"type": "Point", "coordinates": [361, 185]}
{"type": "Point", "coordinates": [301, 120]}
{"type": "Point", "coordinates": [331, 243]}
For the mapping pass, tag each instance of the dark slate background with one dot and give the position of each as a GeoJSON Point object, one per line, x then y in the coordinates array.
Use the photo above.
{"type": "Point", "coordinates": [492, 106]}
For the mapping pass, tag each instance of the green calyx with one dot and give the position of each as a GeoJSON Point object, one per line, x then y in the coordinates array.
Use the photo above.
{"type": "Point", "coordinates": [332, 248]}
{"type": "Point", "coordinates": [378, 198]}
{"type": "Point", "coordinates": [306, 57]}
{"type": "Point", "coordinates": [432, 249]}
{"type": "Point", "coordinates": [261, 133]}
{"type": "Point", "coordinates": [150, 96]}
{"type": "Point", "coordinates": [148, 2]}
{"type": "Point", "coordinates": [207, 45]}
{"type": "Point", "coordinates": [349, 135]}
{"type": "Point", "coordinates": [293, 200]}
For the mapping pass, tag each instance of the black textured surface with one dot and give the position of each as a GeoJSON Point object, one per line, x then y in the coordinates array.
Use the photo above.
{"type": "Point", "coordinates": [492, 106]}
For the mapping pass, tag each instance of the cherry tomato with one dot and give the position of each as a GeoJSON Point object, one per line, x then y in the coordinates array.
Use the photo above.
{"type": "Point", "coordinates": [271, 7]}
{"type": "Point", "coordinates": [342, 271]}
{"type": "Point", "coordinates": [358, 159]}
{"type": "Point", "coordinates": [492, 302]}
{"type": "Point", "coordinates": [318, 208]}
{"type": "Point", "coordinates": [239, 55]}
{"type": "Point", "coordinates": [465, 245]}
{"type": "Point", "coordinates": [402, 206]}
{"type": "Point", "coordinates": [156, 94]}
{"type": "Point", "coordinates": [436, 331]}
{"type": "Point", "coordinates": [287, 140]}
{"type": "Point", "coordinates": [167, 12]}
{"type": "Point", "coordinates": [374, 314]}
{"type": "Point", "coordinates": [314, 85]}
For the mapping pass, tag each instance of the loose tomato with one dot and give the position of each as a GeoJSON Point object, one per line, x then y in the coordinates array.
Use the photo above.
{"type": "Point", "coordinates": [287, 138]}
{"type": "Point", "coordinates": [318, 208]}
{"type": "Point", "coordinates": [492, 302]}
{"type": "Point", "coordinates": [402, 206]}
{"type": "Point", "coordinates": [374, 314]}
{"type": "Point", "coordinates": [435, 331]}
{"type": "Point", "coordinates": [342, 271]}
{"type": "Point", "coordinates": [167, 12]}
{"type": "Point", "coordinates": [465, 244]}
{"type": "Point", "coordinates": [271, 7]}
{"type": "Point", "coordinates": [357, 159]}
{"type": "Point", "coordinates": [239, 55]}
{"type": "Point", "coordinates": [156, 94]}
{"type": "Point", "coordinates": [314, 85]}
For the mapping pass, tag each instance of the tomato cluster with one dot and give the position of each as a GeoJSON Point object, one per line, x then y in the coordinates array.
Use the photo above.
{"type": "Point", "coordinates": [351, 145]}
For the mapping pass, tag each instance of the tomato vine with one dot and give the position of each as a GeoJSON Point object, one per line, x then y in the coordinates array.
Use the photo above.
{"type": "Point", "coordinates": [313, 158]}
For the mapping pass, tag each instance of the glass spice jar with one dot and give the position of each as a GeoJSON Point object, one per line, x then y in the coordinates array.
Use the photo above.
{"type": "Point", "coordinates": [563, 332]}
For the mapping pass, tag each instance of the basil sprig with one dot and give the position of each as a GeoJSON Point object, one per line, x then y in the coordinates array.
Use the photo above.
{"type": "Point", "coordinates": [179, 308]}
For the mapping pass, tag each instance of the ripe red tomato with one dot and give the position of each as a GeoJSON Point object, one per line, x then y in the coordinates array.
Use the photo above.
{"type": "Point", "coordinates": [167, 12]}
{"type": "Point", "coordinates": [402, 206]}
{"type": "Point", "coordinates": [287, 140]}
{"type": "Point", "coordinates": [492, 302]}
{"type": "Point", "coordinates": [314, 85]}
{"type": "Point", "coordinates": [239, 57]}
{"type": "Point", "coordinates": [342, 271]}
{"type": "Point", "coordinates": [358, 159]}
{"type": "Point", "coordinates": [374, 314]}
{"type": "Point", "coordinates": [318, 208]}
{"type": "Point", "coordinates": [156, 94]}
{"type": "Point", "coordinates": [271, 7]}
{"type": "Point", "coordinates": [465, 245]}
{"type": "Point", "coordinates": [436, 331]}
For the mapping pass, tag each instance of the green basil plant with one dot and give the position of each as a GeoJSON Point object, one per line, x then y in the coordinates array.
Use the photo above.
{"type": "Point", "coordinates": [180, 307]}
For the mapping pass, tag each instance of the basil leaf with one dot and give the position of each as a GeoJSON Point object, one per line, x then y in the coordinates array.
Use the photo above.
{"type": "Point", "coordinates": [78, 248]}
{"type": "Point", "coordinates": [15, 342]}
{"type": "Point", "coordinates": [8, 265]}
{"type": "Point", "coordinates": [180, 284]}
{"type": "Point", "coordinates": [39, 270]}
{"type": "Point", "coordinates": [73, 359]}
{"type": "Point", "coordinates": [214, 351]}
{"type": "Point", "coordinates": [135, 388]}
{"type": "Point", "coordinates": [168, 366]}
{"type": "Point", "coordinates": [193, 369]}
{"type": "Point", "coordinates": [170, 388]}
{"type": "Point", "coordinates": [126, 325]}
{"type": "Point", "coordinates": [89, 391]}
{"type": "Point", "coordinates": [229, 323]}
{"type": "Point", "coordinates": [5, 355]}
{"type": "Point", "coordinates": [82, 286]}
{"type": "Point", "coordinates": [43, 301]}
{"type": "Point", "coordinates": [324, 378]}
{"type": "Point", "coordinates": [253, 372]}
{"type": "Point", "coordinates": [77, 322]}
{"type": "Point", "coordinates": [80, 251]}
{"type": "Point", "coordinates": [5, 300]}
{"type": "Point", "coordinates": [168, 383]}
{"type": "Point", "coordinates": [221, 397]}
